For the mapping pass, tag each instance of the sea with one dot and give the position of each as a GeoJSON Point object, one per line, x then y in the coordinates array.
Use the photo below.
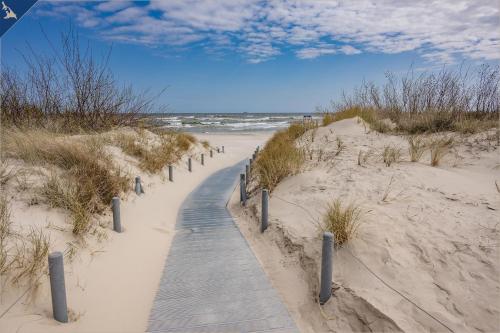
{"type": "Point", "coordinates": [229, 122]}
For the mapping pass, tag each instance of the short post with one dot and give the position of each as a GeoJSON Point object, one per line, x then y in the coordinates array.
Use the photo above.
{"type": "Point", "coordinates": [138, 186]}
{"type": "Point", "coordinates": [57, 287]}
{"type": "Point", "coordinates": [218, 150]}
{"type": "Point", "coordinates": [117, 225]}
{"type": "Point", "coordinates": [171, 173]}
{"type": "Point", "coordinates": [265, 210]}
{"type": "Point", "coordinates": [243, 190]}
{"type": "Point", "coordinates": [202, 159]}
{"type": "Point", "coordinates": [211, 153]}
{"type": "Point", "coordinates": [222, 149]}
{"type": "Point", "coordinates": [189, 165]}
{"type": "Point", "coordinates": [326, 268]}
{"type": "Point", "coordinates": [247, 173]}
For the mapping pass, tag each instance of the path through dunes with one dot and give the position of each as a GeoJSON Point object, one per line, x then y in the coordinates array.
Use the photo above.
{"type": "Point", "coordinates": [212, 281]}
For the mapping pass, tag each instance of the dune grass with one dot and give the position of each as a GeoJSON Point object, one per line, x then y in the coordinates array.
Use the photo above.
{"type": "Point", "coordinates": [417, 147]}
{"type": "Point", "coordinates": [281, 157]}
{"type": "Point", "coordinates": [5, 233]}
{"type": "Point", "coordinates": [153, 157]}
{"type": "Point", "coordinates": [368, 115]}
{"type": "Point", "coordinates": [342, 220]}
{"type": "Point", "coordinates": [439, 148]}
{"type": "Point", "coordinates": [22, 259]}
{"type": "Point", "coordinates": [30, 257]}
{"type": "Point", "coordinates": [391, 155]}
{"type": "Point", "coordinates": [84, 175]}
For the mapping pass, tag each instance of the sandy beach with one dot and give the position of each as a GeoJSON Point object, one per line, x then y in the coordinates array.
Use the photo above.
{"type": "Point", "coordinates": [112, 279]}
{"type": "Point", "coordinates": [133, 197]}
{"type": "Point", "coordinates": [425, 257]}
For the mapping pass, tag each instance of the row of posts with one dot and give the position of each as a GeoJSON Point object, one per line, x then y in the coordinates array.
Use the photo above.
{"type": "Point", "coordinates": [328, 237]}
{"type": "Point", "coordinates": [56, 262]}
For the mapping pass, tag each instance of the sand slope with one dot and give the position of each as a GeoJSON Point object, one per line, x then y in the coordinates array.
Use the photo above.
{"type": "Point", "coordinates": [113, 278]}
{"type": "Point", "coordinates": [431, 233]}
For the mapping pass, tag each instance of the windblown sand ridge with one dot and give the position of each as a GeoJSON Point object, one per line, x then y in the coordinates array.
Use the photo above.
{"type": "Point", "coordinates": [425, 257]}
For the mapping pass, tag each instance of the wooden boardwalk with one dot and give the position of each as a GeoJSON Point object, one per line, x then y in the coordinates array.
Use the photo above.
{"type": "Point", "coordinates": [212, 281]}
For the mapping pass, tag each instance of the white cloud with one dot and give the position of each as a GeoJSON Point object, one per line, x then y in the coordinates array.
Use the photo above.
{"type": "Point", "coordinates": [111, 6]}
{"type": "Point", "coordinates": [442, 31]}
{"type": "Point", "coordinates": [348, 49]}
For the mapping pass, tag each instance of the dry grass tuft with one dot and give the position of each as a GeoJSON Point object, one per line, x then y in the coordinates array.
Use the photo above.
{"type": "Point", "coordinates": [88, 178]}
{"type": "Point", "coordinates": [363, 157]}
{"type": "Point", "coordinates": [184, 141]}
{"type": "Point", "coordinates": [340, 146]}
{"type": "Point", "coordinates": [30, 258]}
{"type": "Point", "coordinates": [6, 173]}
{"type": "Point", "coordinates": [169, 150]}
{"type": "Point", "coordinates": [23, 258]}
{"type": "Point", "coordinates": [129, 145]}
{"type": "Point", "coordinates": [342, 221]}
{"type": "Point", "coordinates": [63, 194]}
{"type": "Point", "coordinates": [391, 155]}
{"type": "Point", "coordinates": [205, 144]}
{"type": "Point", "coordinates": [5, 233]}
{"type": "Point", "coordinates": [439, 148]}
{"type": "Point", "coordinates": [280, 157]}
{"type": "Point", "coordinates": [368, 115]}
{"type": "Point", "coordinates": [417, 147]}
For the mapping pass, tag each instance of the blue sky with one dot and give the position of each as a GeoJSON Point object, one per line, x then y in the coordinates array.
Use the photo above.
{"type": "Point", "coordinates": [265, 56]}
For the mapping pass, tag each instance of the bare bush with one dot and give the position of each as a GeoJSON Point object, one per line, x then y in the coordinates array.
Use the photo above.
{"type": "Point", "coordinates": [461, 100]}
{"type": "Point", "coordinates": [68, 91]}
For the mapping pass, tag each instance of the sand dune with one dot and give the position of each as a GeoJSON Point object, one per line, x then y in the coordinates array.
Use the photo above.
{"type": "Point", "coordinates": [113, 278]}
{"type": "Point", "coordinates": [432, 234]}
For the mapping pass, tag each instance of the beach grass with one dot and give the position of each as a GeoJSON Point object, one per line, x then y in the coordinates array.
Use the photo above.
{"type": "Point", "coordinates": [391, 155]}
{"type": "Point", "coordinates": [83, 176]}
{"type": "Point", "coordinates": [281, 157]}
{"type": "Point", "coordinates": [439, 147]}
{"type": "Point", "coordinates": [416, 147]}
{"type": "Point", "coordinates": [342, 220]}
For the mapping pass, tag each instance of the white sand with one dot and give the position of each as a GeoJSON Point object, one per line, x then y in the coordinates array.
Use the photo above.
{"type": "Point", "coordinates": [111, 284]}
{"type": "Point", "coordinates": [432, 233]}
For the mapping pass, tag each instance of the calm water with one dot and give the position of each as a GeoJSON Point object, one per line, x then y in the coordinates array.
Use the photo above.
{"type": "Point", "coordinates": [228, 122]}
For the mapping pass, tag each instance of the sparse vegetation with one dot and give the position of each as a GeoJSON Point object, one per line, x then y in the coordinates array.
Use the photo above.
{"type": "Point", "coordinates": [69, 91]}
{"type": "Point", "coordinates": [5, 233]}
{"type": "Point", "coordinates": [89, 179]}
{"type": "Point", "coordinates": [363, 157]}
{"type": "Point", "coordinates": [22, 259]}
{"type": "Point", "coordinates": [417, 147]}
{"type": "Point", "coordinates": [439, 148]}
{"type": "Point", "coordinates": [30, 257]}
{"type": "Point", "coordinates": [391, 155]}
{"type": "Point", "coordinates": [281, 157]}
{"type": "Point", "coordinates": [340, 146]}
{"type": "Point", "coordinates": [153, 157]}
{"type": "Point", "coordinates": [6, 173]}
{"type": "Point", "coordinates": [205, 144]}
{"type": "Point", "coordinates": [342, 221]}
{"type": "Point", "coordinates": [462, 101]}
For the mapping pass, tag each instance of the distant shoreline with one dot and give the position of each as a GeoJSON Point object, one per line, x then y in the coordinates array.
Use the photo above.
{"type": "Point", "coordinates": [227, 122]}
